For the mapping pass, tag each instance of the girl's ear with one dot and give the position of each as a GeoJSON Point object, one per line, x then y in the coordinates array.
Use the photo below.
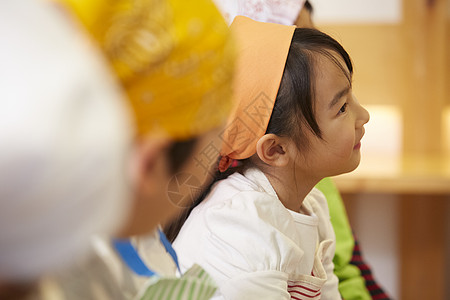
{"type": "Point", "coordinates": [148, 152]}
{"type": "Point", "coordinates": [150, 175]}
{"type": "Point", "coordinates": [272, 150]}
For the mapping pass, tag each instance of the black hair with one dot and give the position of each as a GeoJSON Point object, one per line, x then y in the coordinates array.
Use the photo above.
{"type": "Point", "coordinates": [293, 111]}
{"type": "Point", "coordinates": [179, 152]}
{"type": "Point", "coordinates": [19, 290]}
{"type": "Point", "coordinates": [308, 6]}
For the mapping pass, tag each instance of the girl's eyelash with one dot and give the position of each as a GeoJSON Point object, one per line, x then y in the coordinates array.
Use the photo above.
{"type": "Point", "coordinates": [343, 108]}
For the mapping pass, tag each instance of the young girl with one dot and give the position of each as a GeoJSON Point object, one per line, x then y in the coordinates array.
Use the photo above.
{"type": "Point", "coordinates": [264, 232]}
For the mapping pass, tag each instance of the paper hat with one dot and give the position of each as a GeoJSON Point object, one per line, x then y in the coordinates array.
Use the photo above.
{"type": "Point", "coordinates": [262, 53]}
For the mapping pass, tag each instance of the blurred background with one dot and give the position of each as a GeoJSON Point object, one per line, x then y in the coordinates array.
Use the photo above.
{"type": "Point", "coordinates": [399, 199]}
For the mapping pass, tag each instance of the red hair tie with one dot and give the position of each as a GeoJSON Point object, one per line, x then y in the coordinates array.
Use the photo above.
{"type": "Point", "coordinates": [224, 163]}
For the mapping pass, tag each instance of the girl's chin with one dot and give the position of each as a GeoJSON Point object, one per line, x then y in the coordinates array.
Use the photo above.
{"type": "Point", "coordinates": [353, 165]}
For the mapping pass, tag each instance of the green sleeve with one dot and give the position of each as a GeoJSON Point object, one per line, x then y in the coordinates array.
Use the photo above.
{"type": "Point", "coordinates": [351, 283]}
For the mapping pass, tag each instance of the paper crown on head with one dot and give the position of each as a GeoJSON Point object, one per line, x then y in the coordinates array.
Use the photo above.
{"type": "Point", "coordinates": [273, 11]}
{"type": "Point", "coordinates": [174, 58]}
{"type": "Point", "coordinates": [262, 53]}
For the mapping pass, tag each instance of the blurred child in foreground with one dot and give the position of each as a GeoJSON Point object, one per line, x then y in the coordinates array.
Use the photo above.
{"type": "Point", "coordinates": [174, 63]}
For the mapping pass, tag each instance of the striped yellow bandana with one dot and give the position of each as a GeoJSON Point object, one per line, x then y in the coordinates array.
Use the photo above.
{"type": "Point", "coordinates": [173, 57]}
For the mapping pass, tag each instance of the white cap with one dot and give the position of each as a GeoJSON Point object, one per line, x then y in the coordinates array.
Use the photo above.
{"type": "Point", "coordinates": [272, 11]}
{"type": "Point", "coordinates": [65, 138]}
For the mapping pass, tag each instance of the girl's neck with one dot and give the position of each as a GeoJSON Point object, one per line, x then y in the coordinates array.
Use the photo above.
{"type": "Point", "coordinates": [291, 187]}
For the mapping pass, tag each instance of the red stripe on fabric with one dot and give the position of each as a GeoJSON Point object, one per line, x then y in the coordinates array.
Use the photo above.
{"type": "Point", "coordinates": [295, 298]}
{"type": "Point", "coordinates": [303, 287]}
{"type": "Point", "coordinates": [363, 267]}
{"type": "Point", "coordinates": [357, 258]}
{"type": "Point", "coordinates": [306, 295]}
{"type": "Point", "coordinates": [373, 287]}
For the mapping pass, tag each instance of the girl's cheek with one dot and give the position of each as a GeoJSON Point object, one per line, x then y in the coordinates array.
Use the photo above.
{"type": "Point", "coordinates": [343, 145]}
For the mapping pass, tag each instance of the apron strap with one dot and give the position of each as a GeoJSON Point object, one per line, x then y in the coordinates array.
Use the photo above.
{"type": "Point", "coordinates": [131, 257]}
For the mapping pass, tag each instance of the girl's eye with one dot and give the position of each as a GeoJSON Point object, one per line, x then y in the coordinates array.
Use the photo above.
{"type": "Point", "coordinates": [343, 108]}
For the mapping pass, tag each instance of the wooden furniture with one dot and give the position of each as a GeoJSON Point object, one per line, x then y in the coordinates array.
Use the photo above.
{"type": "Point", "coordinates": [423, 186]}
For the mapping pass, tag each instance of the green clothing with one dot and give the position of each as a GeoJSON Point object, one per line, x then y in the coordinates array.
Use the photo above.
{"type": "Point", "coordinates": [195, 284]}
{"type": "Point", "coordinates": [351, 283]}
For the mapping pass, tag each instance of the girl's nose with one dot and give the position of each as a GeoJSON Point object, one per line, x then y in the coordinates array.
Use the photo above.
{"type": "Point", "coordinates": [365, 116]}
{"type": "Point", "coordinates": [362, 116]}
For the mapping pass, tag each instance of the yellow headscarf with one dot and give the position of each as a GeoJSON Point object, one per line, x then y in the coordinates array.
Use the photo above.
{"type": "Point", "coordinates": [174, 59]}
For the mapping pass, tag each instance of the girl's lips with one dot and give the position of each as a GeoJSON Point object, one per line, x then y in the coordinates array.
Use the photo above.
{"type": "Point", "coordinates": [357, 146]}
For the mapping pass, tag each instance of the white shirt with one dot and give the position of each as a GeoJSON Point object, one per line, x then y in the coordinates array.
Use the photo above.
{"type": "Point", "coordinates": [255, 248]}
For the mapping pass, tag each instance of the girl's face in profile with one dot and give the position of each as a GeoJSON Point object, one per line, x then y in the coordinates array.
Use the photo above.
{"type": "Point", "coordinates": [340, 118]}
